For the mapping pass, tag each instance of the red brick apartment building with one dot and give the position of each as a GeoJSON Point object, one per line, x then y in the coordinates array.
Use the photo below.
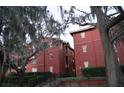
{"type": "Point", "coordinates": [89, 51]}
{"type": "Point", "coordinates": [58, 59]}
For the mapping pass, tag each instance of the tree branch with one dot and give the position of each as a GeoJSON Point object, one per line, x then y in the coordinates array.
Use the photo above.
{"type": "Point", "coordinates": [82, 11]}
{"type": "Point", "coordinates": [13, 65]}
{"type": "Point", "coordinates": [113, 14]}
{"type": "Point", "coordinates": [115, 20]}
{"type": "Point", "coordinates": [120, 9]}
{"type": "Point", "coordinates": [117, 36]}
{"type": "Point", "coordinates": [27, 58]}
{"type": "Point", "coordinates": [84, 24]}
{"type": "Point", "coordinates": [32, 54]}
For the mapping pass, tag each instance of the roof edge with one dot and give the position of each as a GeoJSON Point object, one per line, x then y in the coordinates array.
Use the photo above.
{"type": "Point", "coordinates": [82, 30]}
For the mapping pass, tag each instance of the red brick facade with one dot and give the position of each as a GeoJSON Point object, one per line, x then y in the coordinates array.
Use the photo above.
{"type": "Point", "coordinates": [58, 60]}
{"type": "Point", "coordinates": [89, 51]}
{"type": "Point", "coordinates": [93, 56]}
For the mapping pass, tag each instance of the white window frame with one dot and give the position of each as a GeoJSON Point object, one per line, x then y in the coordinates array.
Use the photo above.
{"type": "Point", "coordinates": [34, 69]}
{"type": "Point", "coordinates": [118, 59]}
{"type": "Point", "coordinates": [51, 69]}
{"type": "Point", "coordinates": [50, 55]}
{"type": "Point", "coordinates": [33, 57]}
{"type": "Point", "coordinates": [86, 64]}
{"type": "Point", "coordinates": [50, 44]}
{"type": "Point", "coordinates": [84, 47]}
{"type": "Point", "coordinates": [83, 35]}
{"type": "Point", "coordinates": [34, 61]}
{"type": "Point", "coordinates": [114, 45]}
{"type": "Point", "coordinates": [33, 48]}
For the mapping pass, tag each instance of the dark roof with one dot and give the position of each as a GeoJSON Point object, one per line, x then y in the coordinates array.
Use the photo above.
{"type": "Point", "coordinates": [82, 30]}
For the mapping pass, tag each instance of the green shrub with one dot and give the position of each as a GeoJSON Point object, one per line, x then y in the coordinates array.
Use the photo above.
{"type": "Point", "coordinates": [93, 72]}
{"type": "Point", "coordinates": [96, 72]}
{"type": "Point", "coordinates": [10, 80]}
{"type": "Point", "coordinates": [122, 68]}
{"type": "Point", "coordinates": [30, 79]}
{"type": "Point", "coordinates": [33, 81]}
{"type": "Point", "coordinates": [32, 74]}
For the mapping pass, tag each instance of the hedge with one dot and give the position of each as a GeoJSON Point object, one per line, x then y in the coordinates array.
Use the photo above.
{"type": "Point", "coordinates": [122, 68]}
{"type": "Point", "coordinates": [30, 79]}
{"type": "Point", "coordinates": [96, 72]}
{"type": "Point", "coordinates": [32, 74]}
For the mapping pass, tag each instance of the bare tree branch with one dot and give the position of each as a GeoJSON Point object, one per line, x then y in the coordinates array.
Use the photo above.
{"type": "Point", "coordinates": [115, 20]}
{"type": "Point", "coordinates": [117, 36]}
{"type": "Point", "coordinates": [27, 59]}
{"type": "Point", "coordinates": [84, 24]}
{"type": "Point", "coordinates": [113, 14]}
{"type": "Point", "coordinates": [82, 11]}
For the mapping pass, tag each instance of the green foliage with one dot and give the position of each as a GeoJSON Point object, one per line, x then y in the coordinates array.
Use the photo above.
{"type": "Point", "coordinates": [96, 72]}
{"type": "Point", "coordinates": [83, 78]}
{"type": "Point", "coordinates": [93, 72]}
{"type": "Point", "coordinates": [21, 25]}
{"type": "Point", "coordinates": [32, 73]}
{"type": "Point", "coordinates": [30, 79]}
{"type": "Point", "coordinates": [10, 80]}
{"type": "Point", "coordinates": [122, 68]}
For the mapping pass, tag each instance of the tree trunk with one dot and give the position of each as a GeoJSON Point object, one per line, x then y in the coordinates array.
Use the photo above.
{"type": "Point", "coordinates": [21, 77]}
{"type": "Point", "coordinates": [1, 24]}
{"type": "Point", "coordinates": [114, 73]}
{"type": "Point", "coordinates": [4, 67]}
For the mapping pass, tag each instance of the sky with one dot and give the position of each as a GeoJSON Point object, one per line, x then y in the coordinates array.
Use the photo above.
{"type": "Point", "coordinates": [56, 13]}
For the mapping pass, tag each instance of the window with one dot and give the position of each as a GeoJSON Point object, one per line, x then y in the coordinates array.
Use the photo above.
{"type": "Point", "coordinates": [84, 47]}
{"type": "Point", "coordinates": [34, 69]}
{"type": "Point", "coordinates": [33, 48]}
{"type": "Point", "coordinates": [50, 44]}
{"type": "Point", "coordinates": [50, 55]}
{"type": "Point", "coordinates": [51, 69]}
{"type": "Point", "coordinates": [34, 61]}
{"type": "Point", "coordinates": [33, 57]}
{"type": "Point", "coordinates": [114, 45]}
{"type": "Point", "coordinates": [86, 64]}
{"type": "Point", "coordinates": [83, 35]}
{"type": "Point", "coordinates": [118, 60]}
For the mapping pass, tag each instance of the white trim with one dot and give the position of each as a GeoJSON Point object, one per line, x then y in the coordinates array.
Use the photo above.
{"type": "Point", "coordinates": [34, 69]}
{"type": "Point", "coordinates": [51, 68]}
{"type": "Point", "coordinates": [84, 47]}
{"type": "Point", "coordinates": [34, 61]}
{"type": "Point", "coordinates": [118, 59]}
{"type": "Point", "coordinates": [83, 34]}
{"type": "Point", "coordinates": [81, 30]}
{"type": "Point", "coordinates": [86, 64]}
